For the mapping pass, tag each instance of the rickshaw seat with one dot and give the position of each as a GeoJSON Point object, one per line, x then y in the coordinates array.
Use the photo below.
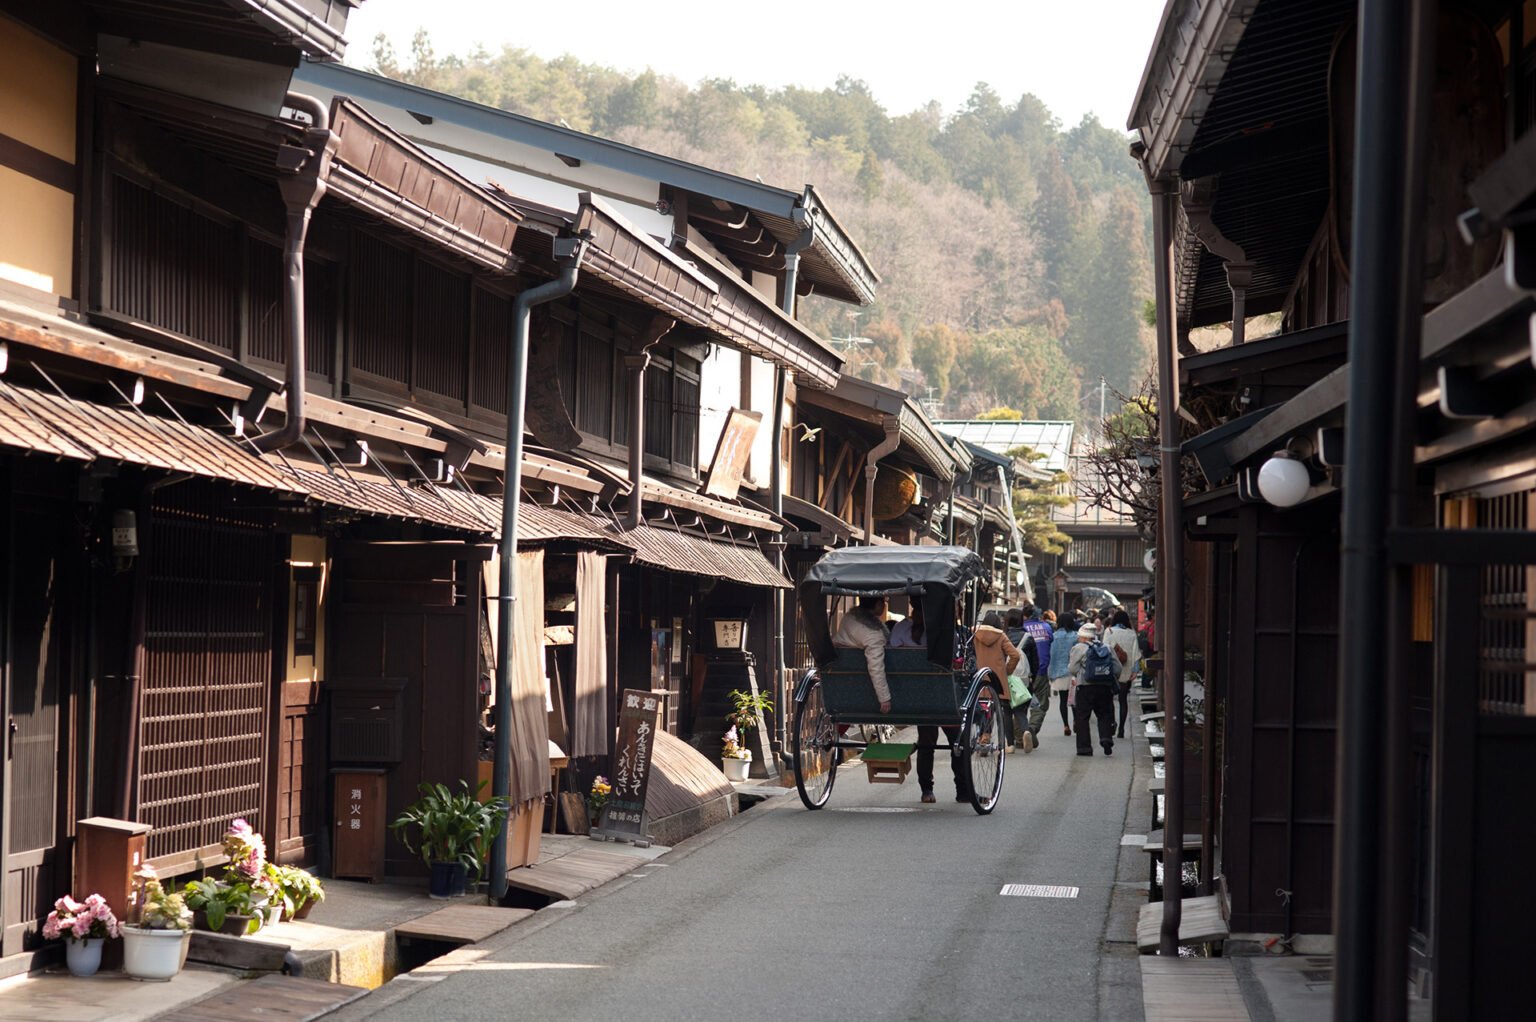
{"type": "Point", "coordinates": [921, 692]}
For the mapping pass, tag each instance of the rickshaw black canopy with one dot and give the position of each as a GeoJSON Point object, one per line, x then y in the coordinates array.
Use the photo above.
{"type": "Point", "coordinates": [936, 574]}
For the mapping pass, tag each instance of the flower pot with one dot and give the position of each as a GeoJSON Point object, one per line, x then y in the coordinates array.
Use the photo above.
{"type": "Point", "coordinates": [302, 912]}
{"type": "Point", "coordinates": [274, 915]}
{"type": "Point", "coordinates": [83, 956]}
{"type": "Point", "coordinates": [448, 879]}
{"type": "Point", "coordinates": [735, 769]}
{"type": "Point", "coordinates": [154, 955]}
{"type": "Point", "coordinates": [234, 925]}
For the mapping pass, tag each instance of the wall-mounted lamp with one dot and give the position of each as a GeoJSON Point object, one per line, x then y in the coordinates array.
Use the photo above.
{"type": "Point", "coordinates": [1284, 481]}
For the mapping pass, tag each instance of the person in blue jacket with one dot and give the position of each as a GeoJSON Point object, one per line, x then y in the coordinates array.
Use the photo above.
{"type": "Point", "coordinates": [1040, 684]}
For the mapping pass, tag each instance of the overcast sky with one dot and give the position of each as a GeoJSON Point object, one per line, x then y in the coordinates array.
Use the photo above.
{"type": "Point", "coordinates": [1079, 57]}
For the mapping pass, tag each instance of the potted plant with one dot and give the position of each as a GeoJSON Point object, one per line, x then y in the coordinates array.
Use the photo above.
{"type": "Point", "coordinates": [598, 798]}
{"type": "Point", "coordinates": [223, 907]}
{"type": "Point", "coordinates": [734, 760]}
{"type": "Point", "coordinates": [156, 947]}
{"type": "Point", "coordinates": [85, 926]}
{"type": "Point", "coordinates": [299, 889]}
{"type": "Point", "coordinates": [746, 709]}
{"type": "Point", "coordinates": [452, 831]}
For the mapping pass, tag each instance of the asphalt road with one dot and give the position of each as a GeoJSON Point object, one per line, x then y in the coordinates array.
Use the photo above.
{"type": "Point", "coordinates": [876, 907]}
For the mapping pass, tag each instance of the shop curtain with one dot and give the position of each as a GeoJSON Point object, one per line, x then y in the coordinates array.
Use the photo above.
{"type": "Point", "coordinates": [530, 723]}
{"type": "Point", "coordinates": [589, 731]}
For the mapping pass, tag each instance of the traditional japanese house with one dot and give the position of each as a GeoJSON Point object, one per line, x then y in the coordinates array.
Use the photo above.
{"type": "Point", "coordinates": [1262, 126]}
{"type": "Point", "coordinates": [253, 353]}
{"type": "Point", "coordinates": [760, 247]}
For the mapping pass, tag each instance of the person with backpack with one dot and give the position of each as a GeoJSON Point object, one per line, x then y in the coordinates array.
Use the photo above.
{"type": "Point", "coordinates": [1039, 680]}
{"type": "Point", "coordinates": [1097, 673]}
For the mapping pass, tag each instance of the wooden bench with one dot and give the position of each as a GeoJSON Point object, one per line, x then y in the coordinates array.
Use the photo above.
{"type": "Point", "coordinates": [1201, 921]}
{"type": "Point", "coordinates": [1147, 718]}
{"type": "Point", "coordinates": [888, 762]}
{"type": "Point", "coordinates": [1154, 849]}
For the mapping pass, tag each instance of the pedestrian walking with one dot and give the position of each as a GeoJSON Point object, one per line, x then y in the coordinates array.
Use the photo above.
{"type": "Point", "coordinates": [1121, 640]}
{"type": "Point", "coordinates": [994, 651]}
{"type": "Point", "coordinates": [1040, 680]}
{"type": "Point", "coordinates": [1058, 667]}
{"type": "Point", "coordinates": [1096, 672]}
{"type": "Point", "coordinates": [1020, 682]}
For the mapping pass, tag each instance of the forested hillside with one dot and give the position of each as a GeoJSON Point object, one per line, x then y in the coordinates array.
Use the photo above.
{"type": "Point", "coordinates": [1013, 251]}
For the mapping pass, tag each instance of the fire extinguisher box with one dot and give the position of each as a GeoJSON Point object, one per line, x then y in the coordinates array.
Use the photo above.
{"type": "Point", "coordinates": [107, 854]}
{"type": "Point", "coordinates": [358, 847]}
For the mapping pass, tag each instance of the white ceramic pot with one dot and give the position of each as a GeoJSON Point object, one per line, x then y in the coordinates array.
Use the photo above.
{"type": "Point", "coordinates": [155, 955]}
{"type": "Point", "coordinates": [736, 769]}
{"type": "Point", "coordinates": [83, 956]}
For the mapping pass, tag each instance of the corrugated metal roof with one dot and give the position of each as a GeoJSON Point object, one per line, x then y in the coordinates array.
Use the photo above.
{"type": "Point", "coordinates": [694, 555]}
{"type": "Point", "coordinates": [46, 422]}
{"type": "Point", "coordinates": [1050, 438]}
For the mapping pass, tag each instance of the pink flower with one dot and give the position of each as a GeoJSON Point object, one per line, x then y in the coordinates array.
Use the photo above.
{"type": "Point", "coordinates": [240, 828]}
{"type": "Point", "coordinates": [68, 904]}
{"type": "Point", "coordinates": [81, 926]}
{"type": "Point", "coordinates": [51, 927]}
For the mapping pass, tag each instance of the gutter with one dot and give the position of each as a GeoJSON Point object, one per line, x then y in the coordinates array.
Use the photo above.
{"type": "Point", "coordinates": [568, 253]}
{"type": "Point", "coordinates": [302, 184]}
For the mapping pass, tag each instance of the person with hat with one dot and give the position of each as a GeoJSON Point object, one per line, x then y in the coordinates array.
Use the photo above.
{"type": "Point", "coordinates": [1097, 673]}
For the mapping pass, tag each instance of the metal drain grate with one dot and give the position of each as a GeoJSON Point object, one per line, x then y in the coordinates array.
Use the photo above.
{"type": "Point", "coordinates": [1037, 891]}
{"type": "Point", "coordinates": [873, 809]}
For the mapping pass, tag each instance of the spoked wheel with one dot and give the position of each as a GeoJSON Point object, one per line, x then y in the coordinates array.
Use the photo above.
{"type": "Point", "coordinates": [815, 748]}
{"type": "Point", "coordinates": [983, 739]}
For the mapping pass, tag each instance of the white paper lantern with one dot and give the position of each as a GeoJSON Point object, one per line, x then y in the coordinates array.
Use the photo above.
{"type": "Point", "coordinates": [1284, 482]}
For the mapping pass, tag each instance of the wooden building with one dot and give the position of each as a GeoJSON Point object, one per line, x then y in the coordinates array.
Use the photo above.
{"type": "Point", "coordinates": [1261, 125]}
{"type": "Point", "coordinates": [253, 364]}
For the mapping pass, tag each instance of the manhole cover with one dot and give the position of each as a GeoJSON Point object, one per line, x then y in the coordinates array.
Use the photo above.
{"type": "Point", "coordinates": [1037, 891]}
{"type": "Point", "coordinates": [874, 809]}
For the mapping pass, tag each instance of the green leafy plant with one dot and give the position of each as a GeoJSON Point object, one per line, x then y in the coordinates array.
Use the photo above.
{"type": "Point", "coordinates": [449, 826]}
{"type": "Point", "coordinates": [298, 887]}
{"type": "Point", "coordinates": [745, 708]}
{"type": "Point", "coordinates": [218, 900]}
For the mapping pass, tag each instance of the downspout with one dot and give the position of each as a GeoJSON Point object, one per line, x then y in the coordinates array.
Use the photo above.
{"type": "Point", "coordinates": [1394, 86]}
{"type": "Point", "coordinates": [568, 253]}
{"type": "Point", "coordinates": [637, 365]}
{"type": "Point", "coordinates": [872, 468]}
{"type": "Point", "coordinates": [302, 184]}
{"type": "Point", "coordinates": [1015, 541]}
{"type": "Point", "coordinates": [777, 610]}
{"type": "Point", "coordinates": [1170, 562]}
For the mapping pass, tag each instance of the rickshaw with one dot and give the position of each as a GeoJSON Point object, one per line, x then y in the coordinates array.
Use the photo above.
{"type": "Point", "coordinates": [928, 685]}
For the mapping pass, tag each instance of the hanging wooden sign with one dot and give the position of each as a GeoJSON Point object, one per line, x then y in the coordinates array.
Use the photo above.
{"type": "Point", "coordinates": [732, 453]}
{"type": "Point", "coordinates": [624, 815]}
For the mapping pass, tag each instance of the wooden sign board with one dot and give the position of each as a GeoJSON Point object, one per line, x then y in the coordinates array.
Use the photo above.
{"type": "Point", "coordinates": [624, 814]}
{"type": "Point", "coordinates": [732, 453]}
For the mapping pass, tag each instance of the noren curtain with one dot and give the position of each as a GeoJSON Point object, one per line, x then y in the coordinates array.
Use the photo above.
{"type": "Point", "coordinates": [589, 730]}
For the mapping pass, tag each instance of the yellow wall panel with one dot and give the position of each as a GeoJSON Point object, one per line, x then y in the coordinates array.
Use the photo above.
{"type": "Point", "coordinates": [37, 223]}
{"type": "Point", "coordinates": [37, 91]}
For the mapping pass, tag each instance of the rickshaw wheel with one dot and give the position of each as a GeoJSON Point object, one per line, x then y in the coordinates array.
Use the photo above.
{"type": "Point", "coordinates": [983, 737]}
{"type": "Point", "coordinates": [815, 748]}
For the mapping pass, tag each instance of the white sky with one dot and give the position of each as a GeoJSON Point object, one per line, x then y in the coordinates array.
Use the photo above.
{"type": "Point", "coordinates": [1077, 56]}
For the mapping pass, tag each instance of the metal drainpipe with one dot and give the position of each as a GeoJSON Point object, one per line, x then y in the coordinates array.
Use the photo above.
{"type": "Point", "coordinates": [1171, 565]}
{"type": "Point", "coordinates": [1015, 541]}
{"type": "Point", "coordinates": [568, 253]}
{"type": "Point", "coordinates": [301, 192]}
{"type": "Point", "coordinates": [636, 365]}
{"type": "Point", "coordinates": [872, 468]}
{"type": "Point", "coordinates": [776, 607]}
{"type": "Point", "coordinates": [1390, 147]}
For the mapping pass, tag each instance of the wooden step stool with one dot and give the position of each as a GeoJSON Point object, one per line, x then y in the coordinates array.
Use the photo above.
{"type": "Point", "coordinates": [888, 762]}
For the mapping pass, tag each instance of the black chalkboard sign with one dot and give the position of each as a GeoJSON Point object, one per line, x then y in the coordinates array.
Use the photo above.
{"type": "Point", "coordinates": [624, 815]}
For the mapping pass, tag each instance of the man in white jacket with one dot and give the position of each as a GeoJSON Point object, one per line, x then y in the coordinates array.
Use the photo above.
{"type": "Point", "coordinates": [863, 627]}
